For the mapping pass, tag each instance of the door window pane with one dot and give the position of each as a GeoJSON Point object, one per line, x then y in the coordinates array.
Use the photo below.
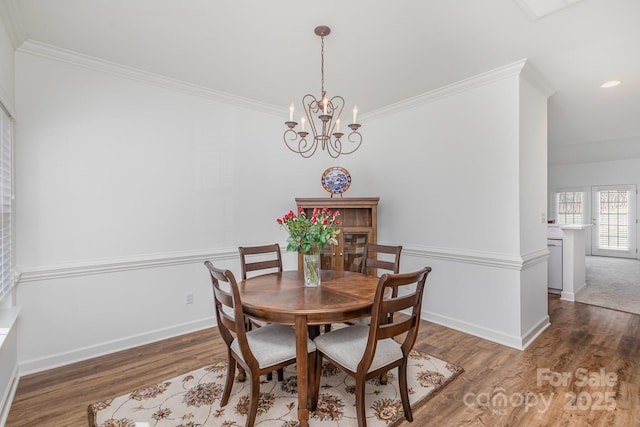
{"type": "Point", "coordinates": [613, 219]}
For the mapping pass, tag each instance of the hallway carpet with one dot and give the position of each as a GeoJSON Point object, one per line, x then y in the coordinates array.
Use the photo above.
{"type": "Point", "coordinates": [612, 283]}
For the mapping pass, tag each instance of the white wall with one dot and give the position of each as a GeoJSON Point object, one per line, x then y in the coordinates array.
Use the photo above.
{"type": "Point", "coordinates": [6, 68]}
{"type": "Point", "coordinates": [126, 185]}
{"type": "Point", "coordinates": [533, 196]}
{"type": "Point", "coordinates": [125, 188]}
{"type": "Point", "coordinates": [583, 176]}
{"type": "Point", "coordinates": [454, 176]}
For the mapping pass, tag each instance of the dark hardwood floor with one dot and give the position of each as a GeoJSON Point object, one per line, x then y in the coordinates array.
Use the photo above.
{"type": "Point", "coordinates": [582, 371]}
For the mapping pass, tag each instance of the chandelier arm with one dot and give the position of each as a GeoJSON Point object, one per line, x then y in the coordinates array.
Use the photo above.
{"type": "Point", "coordinates": [334, 148]}
{"type": "Point", "coordinates": [354, 138]}
{"type": "Point", "coordinates": [301, 146]}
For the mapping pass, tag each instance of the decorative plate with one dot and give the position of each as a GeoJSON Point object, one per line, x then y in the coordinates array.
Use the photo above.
{"type": "Point", "coordinates": [336, 180]}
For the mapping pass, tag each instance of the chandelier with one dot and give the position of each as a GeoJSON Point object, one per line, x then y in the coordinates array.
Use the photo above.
{"type": "Point", "coordinates": [322, 117]}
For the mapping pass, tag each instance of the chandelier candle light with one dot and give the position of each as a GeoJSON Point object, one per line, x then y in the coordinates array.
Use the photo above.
{"type": "Point", "coordinates": [323, 118]}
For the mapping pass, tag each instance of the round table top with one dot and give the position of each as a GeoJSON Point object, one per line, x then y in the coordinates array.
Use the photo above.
{"type": "Point", "coordinates": [280, 297]}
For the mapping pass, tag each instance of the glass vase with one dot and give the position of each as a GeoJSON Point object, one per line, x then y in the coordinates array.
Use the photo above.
{"type": "Point", "coordinates": [311, 267]}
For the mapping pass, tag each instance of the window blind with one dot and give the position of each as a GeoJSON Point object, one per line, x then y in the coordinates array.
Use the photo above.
{"type": "Point", "coordinates": [6, 202]}
{"type": "Point", "coordinates": [569, 207]}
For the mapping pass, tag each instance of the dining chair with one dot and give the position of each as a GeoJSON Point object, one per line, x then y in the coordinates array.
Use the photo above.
{"type": "Point", "coordinates": [260, 259]}
{"type": "Point", "coordinates": [265, 257]}
{"type": "Point", "coordinates": [258, 351]}
{"type": "Point", "coordinates": [365, 352]}
{"type": "Point", "coordinates": [390, 263]}
{"type": "Point", "coordinates": [372, 261]}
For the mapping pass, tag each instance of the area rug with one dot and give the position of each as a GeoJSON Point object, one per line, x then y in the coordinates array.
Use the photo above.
{"type": "Point", "coordinates": [193, 399]}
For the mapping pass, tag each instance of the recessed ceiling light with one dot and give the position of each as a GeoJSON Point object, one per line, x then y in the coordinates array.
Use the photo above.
{"type": "Point", "coordinates": [611, 83]}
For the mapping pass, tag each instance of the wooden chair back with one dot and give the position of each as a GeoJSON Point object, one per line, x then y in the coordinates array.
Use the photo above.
{"type": "Point", "coordinates": [383, 322]}
{"type": "Point", "coordinates": [271, 252]}
{"type": "Point", "coordinates": [229, 314]}
{"type": "Point", "coordinates": [372, 262]}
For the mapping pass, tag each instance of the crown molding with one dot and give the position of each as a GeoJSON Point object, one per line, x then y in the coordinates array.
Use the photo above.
{"type": "Point", "coordinates": [521, 67]}
{"type": "Point", "coordinates": [506, 71]}
{"type": "Point", "coordinates": [55, 53]}
{"type": "Point", "coordinates": [531, 74]}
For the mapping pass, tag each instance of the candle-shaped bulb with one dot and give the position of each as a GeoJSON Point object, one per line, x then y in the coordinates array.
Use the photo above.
{"type": "Point", "coordinates": [324, 101]}
{"type": "Point", "coordinates": [338, 125]}
{"type": "Point", "coordinates": [355, 111]}
{"type": "Point", "coordinates": [302, 123]}
{"type": "Point", "coordinates": [291, 112]}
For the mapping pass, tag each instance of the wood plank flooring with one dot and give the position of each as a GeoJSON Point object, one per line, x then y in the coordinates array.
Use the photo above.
{"type": "Point", "coordinates": [582, 371]}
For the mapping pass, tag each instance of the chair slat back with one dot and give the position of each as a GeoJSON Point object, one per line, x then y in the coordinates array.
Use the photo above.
{"type": "Point", "coordinates": [371, 260]}
{"type": "Point", "coordinates": [387, 321]}
{"type": "Point", "coordinates": [259, 253]}
{"type": "Point", "coordinates": [227, 302]}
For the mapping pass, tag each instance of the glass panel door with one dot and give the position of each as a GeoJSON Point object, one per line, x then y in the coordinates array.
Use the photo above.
{"type": "Point", "coordinates": [353, 249]}
{"type": "Point", "coordinates": [614, 220]}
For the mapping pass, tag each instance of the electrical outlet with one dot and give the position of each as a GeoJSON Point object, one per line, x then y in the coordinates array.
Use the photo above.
{"type": "Point", "coordinates": [189, 298]}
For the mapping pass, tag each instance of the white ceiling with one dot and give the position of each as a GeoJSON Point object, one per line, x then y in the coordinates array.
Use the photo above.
{"type": "Point", "coordinates": [378, 53]}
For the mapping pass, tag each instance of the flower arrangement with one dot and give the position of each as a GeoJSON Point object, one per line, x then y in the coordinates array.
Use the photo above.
{"type": "Point", "coordinates": [310, 235]}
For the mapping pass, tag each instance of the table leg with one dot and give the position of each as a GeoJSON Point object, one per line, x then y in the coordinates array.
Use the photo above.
{"type": "Point", "coordinates": [302, 366]}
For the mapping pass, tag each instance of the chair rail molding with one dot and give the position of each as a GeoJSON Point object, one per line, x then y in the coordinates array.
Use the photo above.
{"type": "Point", "coordinates": [138, 262]}
{"type": "Point", "coordinates": [489, 259]}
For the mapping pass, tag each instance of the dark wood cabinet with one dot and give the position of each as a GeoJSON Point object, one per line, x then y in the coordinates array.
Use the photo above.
{"type": "Point", "coordinates": [359, 226]}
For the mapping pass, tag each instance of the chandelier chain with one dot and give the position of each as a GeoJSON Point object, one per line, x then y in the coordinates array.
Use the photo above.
{"type": "Point", "coordinates": [322, 64]}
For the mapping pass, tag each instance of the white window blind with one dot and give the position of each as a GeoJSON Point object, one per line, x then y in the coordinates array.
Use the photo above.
{"type": "Point", "coordinates": [6, 196]}
{"type": "Point", "coordinates": [569, 207]}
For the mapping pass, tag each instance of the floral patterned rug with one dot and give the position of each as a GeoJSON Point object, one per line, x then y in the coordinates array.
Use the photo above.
{"type": "Point", "coordinates": [193, 399]}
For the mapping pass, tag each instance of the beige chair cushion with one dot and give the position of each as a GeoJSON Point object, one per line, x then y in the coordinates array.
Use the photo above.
{"type": "Point", "coordinates": [346, 346]}
{"type": "Point", "coordinates": [272, 344]}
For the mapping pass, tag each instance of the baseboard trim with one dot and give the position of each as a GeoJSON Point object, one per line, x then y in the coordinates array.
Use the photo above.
{"type": "Point", "coordinates": [513, 341]}
{"type": "Point", "coordinates": [7, 398]}
{"type": "Point", "coordinates": [535, 331]}
{"type": "Point", "coordinates": [81, 354]}
{"type": "Point", "coordinates": [571, 296]}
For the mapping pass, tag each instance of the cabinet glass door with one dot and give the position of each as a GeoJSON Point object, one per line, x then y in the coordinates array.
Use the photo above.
{"type": "Point", "coordinates": [353, 243]}
{"type": "Point", "coordinates": [327, 255]}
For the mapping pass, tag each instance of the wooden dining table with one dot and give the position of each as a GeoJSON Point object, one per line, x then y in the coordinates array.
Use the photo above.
{"type": "Point", "coordinates": [282, 298]}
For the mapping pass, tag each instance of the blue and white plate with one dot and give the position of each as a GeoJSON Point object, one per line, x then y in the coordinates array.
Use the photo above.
{"type": "Point", "coordinates": [336, 180]}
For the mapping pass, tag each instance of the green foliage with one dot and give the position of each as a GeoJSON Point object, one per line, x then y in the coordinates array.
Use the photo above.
{"type": "Point", "coordinates": [310, 235]}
